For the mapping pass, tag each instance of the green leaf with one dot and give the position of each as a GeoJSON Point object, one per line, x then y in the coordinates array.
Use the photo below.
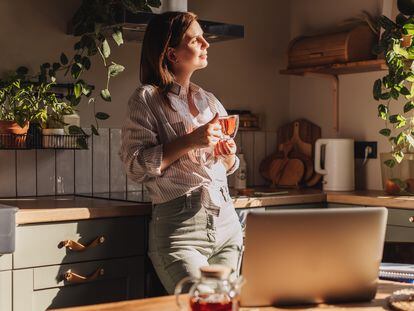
{"type": "Point", "coordinates": [75, 130]}
{"type": "Point", "coordinates": [398, 156]}
{"type": "Point", "coordinates": [106, 95]}
{"type": "Point", "coordinates": [408, 106]}
{"type": "Point", "coordinates": [382, 111]}
{"type": "Point", "coordinates": [94, 130]}
{"type": "Point", "coordinates": [390, 163]}
{"type": "Point", "coordinates": [385, 96]}
{"type": "Point", "coordinates": [102, 115]}
{"type": "Point", "coordinates": [75, 71]}
{"type": "Point", "coordinates": [86, 62]}
{"type": "Point", "coordinates": [106, 50]}
{"type": "Point", "coordinates": [117, 36]}
{"type": "Point", "coordinates": [74, 101]}
{"type": "Point", "coordinates": [385, 132]}
{"type": "Point", "coordinates": [77, 58]}
{"type": "Point", "coordinates": [77, 90]}
{"type": "Point", "coordinates": [394, 93]}
{"type": "Point", "coordinates": [81, 141]}
{"type": "Point", "coordinates": [398, 119]}
{"type": "Point", "coordinates": [377, 89]}
{"type": "Point", "coordinates": [405, 91]}
{"type": "Point", "coordinates": [22, 70]}
{"type": "Point", "coordinates": [115, 69]}
{"type": "Point", "coordinates": [63, 59]}
{"type": "Point", "coordinates": [401, 138]}
{"type": "Point", "coordinates": [409, 29]}
{"type": "Point", "coordinates": [55, 66]}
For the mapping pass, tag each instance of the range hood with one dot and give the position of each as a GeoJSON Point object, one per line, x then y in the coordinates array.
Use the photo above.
{"type": "Point", "coordinates": [134, 26]}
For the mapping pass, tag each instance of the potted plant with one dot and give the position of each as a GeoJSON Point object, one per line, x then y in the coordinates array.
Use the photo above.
{"type": "Point", "coordinates": [18, 108]}
{"type": "Point", "coordinates": [395, 91]}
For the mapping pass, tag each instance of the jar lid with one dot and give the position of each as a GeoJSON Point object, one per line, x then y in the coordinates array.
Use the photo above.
{"type": "Point", "coordinates": [215, 271]}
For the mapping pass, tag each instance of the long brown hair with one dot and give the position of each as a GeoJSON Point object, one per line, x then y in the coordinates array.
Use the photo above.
{"type": "Point", "coordinates": [163, 31]}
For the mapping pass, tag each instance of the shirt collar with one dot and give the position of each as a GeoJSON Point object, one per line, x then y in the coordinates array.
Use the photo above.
{"type": "Point", "coordinates": [180, 91]}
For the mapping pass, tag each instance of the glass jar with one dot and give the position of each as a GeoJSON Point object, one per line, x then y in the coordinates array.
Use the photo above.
{"type": "Point", "coordinates": [213, 291]}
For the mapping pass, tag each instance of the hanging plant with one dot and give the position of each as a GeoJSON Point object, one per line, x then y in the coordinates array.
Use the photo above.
{"type": "Point", "coordinates": [397, 46]}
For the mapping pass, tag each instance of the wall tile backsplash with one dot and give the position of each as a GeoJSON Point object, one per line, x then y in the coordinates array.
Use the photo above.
{"type": "Point", "coordinates": [99, 169]}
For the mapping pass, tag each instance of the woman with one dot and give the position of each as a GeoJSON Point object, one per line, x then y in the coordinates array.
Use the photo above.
{"type": "Point", "coordinates": [167, 142]}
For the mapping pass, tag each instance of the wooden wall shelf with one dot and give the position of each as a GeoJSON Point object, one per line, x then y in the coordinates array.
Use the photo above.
{"type": "Point", "coordinates": [340, 68]}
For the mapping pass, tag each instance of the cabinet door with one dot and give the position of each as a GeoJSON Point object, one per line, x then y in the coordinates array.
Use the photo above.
{"type": "Point", "coordinates": [42, 288]}
{"type": "Point", "coordinates": [5, 291]}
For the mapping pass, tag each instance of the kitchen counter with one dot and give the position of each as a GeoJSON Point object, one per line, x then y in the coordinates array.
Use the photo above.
{"type": "Point", "coordinates": [66, 208]}
{"type": "Point", "coordinates": [168, 303]}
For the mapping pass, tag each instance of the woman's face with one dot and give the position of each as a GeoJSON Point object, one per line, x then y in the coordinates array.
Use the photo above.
{"type": "Point", "coordinates": [191, 54]}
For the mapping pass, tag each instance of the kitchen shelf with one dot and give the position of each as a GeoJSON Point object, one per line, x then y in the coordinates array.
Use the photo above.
{"type": "Point", "coordinates": [339, 68]}
{"type": "Point", "coordinates": [39, 141]}
{"type": "Point", "coordinates": [332, 73]}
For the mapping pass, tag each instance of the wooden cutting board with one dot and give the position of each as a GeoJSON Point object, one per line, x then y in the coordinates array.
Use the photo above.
{"type": "Point", "coordinates": [302, 133]}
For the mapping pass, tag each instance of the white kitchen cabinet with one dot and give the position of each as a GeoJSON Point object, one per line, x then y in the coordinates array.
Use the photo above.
{"type": "Point", "coordinates": [6, 291]}
{"type": "Point", "coordinates": [41, 288]}
{"type": "Point", "coordinates": [400, 225]}
{"type": "Point", "coordinates": [77, 263]}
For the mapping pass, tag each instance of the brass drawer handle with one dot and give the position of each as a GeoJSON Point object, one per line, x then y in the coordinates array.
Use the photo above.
{"type": "Point", "coordinates": [72, 277]}
{"type": "Point", "coordinates": [78, 247]}
{"type": "Point", "coordinates": [411, 219]}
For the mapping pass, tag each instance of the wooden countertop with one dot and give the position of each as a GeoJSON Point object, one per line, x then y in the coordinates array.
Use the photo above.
{"type": "Point", "coordinates": [168, 303]}
{"type": "Point", "coordinates": [66, 208]}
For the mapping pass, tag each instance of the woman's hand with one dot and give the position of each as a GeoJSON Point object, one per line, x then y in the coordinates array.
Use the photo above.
{"type": "Point", "coordinates": [225, 148]}
{"type": "Point", "coordinates": [206, 135]}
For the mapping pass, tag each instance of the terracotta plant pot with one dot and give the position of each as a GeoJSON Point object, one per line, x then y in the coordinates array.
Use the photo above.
{"type": "Point", "coordinates": [406, 41]}
{"type": "Point", "coordinates": [13, 135]}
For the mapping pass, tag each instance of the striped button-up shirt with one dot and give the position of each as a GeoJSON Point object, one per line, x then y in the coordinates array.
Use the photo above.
{"type": "Point", "coordinates": [150, 124]}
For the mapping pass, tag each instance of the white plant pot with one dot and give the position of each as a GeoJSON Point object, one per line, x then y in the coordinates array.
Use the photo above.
{"type": "Point", "coordinates": [171, 5]}
{"type": "Point", "coordinates": [53, 138]}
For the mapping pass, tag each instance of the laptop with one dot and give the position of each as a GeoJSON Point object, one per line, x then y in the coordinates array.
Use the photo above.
{"type": "Point", "coordinates": [312, 255]}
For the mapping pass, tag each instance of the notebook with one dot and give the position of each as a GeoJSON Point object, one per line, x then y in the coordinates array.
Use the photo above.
{"type": "Point", "coordinates": [397, 271]}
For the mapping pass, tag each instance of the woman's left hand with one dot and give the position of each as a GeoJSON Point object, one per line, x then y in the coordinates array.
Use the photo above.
{"type": "Point", "coordinates": [225, 148]}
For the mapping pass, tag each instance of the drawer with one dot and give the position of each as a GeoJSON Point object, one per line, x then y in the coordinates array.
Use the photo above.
{"type": "Point", "coordinates": [399, 234]}
{"type": "Point", "coordinates": [41, 245]}
{"type": "Point", "coordinates": [44, 287]}
{"type": "Point", "coordinates": [401, 217]}
{"type": "Point", "coordinates": [5, 262]}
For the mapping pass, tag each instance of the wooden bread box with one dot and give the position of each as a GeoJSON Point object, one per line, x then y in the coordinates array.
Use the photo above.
{"type": "Point", "coordinates": [341, 47]}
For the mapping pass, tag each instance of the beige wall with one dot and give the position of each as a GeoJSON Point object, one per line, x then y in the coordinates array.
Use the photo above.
{"type": "Point", "coordinates": [242, 73]}
{"type": "Point", "coordinates": [311, 97]}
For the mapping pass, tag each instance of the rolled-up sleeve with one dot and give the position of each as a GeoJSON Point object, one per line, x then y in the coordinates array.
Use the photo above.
{"type": "Point", "coordinates": [141, 151]}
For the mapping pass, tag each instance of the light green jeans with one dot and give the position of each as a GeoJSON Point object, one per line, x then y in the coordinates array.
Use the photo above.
{"type": "Point", "coordinates": [183, 237]}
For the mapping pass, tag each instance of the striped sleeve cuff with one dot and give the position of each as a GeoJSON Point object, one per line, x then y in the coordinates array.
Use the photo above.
{"type": "Point", "coordinates": [234, 167]}
{"type": "Point", "coordinates": [152, 160]}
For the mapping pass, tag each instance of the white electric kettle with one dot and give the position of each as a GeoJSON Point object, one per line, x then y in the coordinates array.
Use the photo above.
{"type": "Point", "coordinates": [334, 159]}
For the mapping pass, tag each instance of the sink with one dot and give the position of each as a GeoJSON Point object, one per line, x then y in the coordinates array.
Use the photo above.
{"type": "Point", "coordinates": [7, 228]}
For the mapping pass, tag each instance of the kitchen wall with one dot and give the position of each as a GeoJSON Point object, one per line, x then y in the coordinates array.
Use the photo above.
{"type": "Point", "coordinates": [242, 73]}
{"type": "Point", "coordinates": [311, 96]}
